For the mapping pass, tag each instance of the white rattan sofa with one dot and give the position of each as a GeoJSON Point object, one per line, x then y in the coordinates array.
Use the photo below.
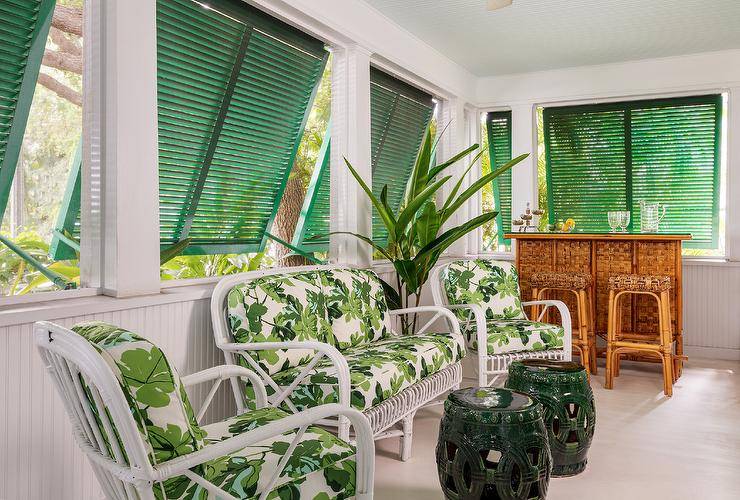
{"type": "Point", "coordinates": [485, 297]}
{"type": "Point", "coordinates": [133, 420]}
{"type": "Point", "coordinates": [323, 334]}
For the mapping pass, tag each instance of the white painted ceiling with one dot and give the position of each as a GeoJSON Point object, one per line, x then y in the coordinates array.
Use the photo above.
{"type": "Point", "coordinates": [534, 35]}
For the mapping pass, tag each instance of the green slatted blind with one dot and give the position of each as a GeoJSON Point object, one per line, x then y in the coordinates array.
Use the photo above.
{"type": "Point", "coordinates": [675, 160]}
{"type": "Point", "coordinates": [24, 27]}
{"type": "Point", "coordinates": [235, 88]}
{"type": "Point", "coordinates": [586, 158]}
{"type": "Point", "coordinates": [611, 156]}
{"type": "Point", "coordinates": [400, 115]}
{"type": "Point", "coordinates": [498, 128]}
{"type": "Point", "coordinates": [68, 219]}
{"type": "Point", "coordinates": [312, 231]}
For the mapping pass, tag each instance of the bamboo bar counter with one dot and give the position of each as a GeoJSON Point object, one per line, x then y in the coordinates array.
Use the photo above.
{"type": "Point", "coordinates": [603, 255]}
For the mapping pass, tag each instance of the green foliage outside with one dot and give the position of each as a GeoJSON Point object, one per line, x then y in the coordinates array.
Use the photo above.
{"type": "Point", "coordinates": [488, 204]}
{"type": "Point", "coordinates": [51, 137]}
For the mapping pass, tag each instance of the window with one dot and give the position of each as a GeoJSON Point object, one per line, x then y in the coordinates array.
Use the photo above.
{"type": "Point", "coordinates": [312, 230]}
{"type": "Point", "coordinates": [40, 145]}
{"type": "Point", "coordinates": [400, 115]}
{"type": "Point", "coordinates": [611, 156]}
{"type": "Point", "coordinates": [497, 196]}
{"type": "Point", "coordinates": [235, 92]}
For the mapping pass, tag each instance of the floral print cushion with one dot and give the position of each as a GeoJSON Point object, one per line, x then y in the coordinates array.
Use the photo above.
{"type": "Point", "coordinates": [152, 388]}
{"type": "Point", "coordinates": [377, 371]}
{"type": "Point", "coordinates": [516, 335]}
{"type": "Point", "coordinates": [322, 467]}
{"type": "Point", "coordinates": [356, 307]}
{"type": "Point", "coordinates": [492, 284]}
{"type": "Point", "coordinates": [341, 307]}
{"type": "Point", "coordinates": [278, 308]}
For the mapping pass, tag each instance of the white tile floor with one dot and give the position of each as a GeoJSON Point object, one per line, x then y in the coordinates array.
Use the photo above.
{"type": "Point", "coordinates": [646, 446]}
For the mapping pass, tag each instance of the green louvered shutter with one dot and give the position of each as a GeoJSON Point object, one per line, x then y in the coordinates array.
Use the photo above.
{"type": "Point", "coordinates": [498, 128]}
{"type": "Point", "coordinates": [586, 164]}
{"type": "Point", "coordinates": [24, 28]}
{"type": "Point", "coordinates": [400, 115]}
{"type": "Point", "coordinates": [312, 230]}
{"type": "Point", "coordinates": [235, 89]}
{"type": "Point", "coordinates": [675, 160]}
{"type": "Point", "coordinates": [68, 219]}
{"type": "Point", "coordinates": [612, 156]}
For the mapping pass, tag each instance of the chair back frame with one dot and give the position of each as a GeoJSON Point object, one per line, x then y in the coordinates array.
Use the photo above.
{"type": "Point", "coordinates": [499, 362]}
{"type": "Point", "coordinates": [224, 339]}
{"type": "Point", "coordinates": [70, 360]}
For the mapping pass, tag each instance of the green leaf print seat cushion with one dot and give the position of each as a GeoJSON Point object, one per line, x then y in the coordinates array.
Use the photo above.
{"type": "Point", "coordinates": [494, 285]}
{"type": "Point", "coordinates": [516, 335]}
{"type": "Point", "coordinates": [377, 371]}
{"type": "Point", "coordinates": [323, 468]}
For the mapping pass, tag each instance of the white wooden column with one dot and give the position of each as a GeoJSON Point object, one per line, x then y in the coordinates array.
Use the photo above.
{"type": "Point", "coordinates": [475, 238]}
{"type": "Point", "coordinates": [130, 210]}
{"type": "Point", "coordinates": [455, 139]}
{"type": "Point", "coordinates": [524, 174]}
{"type": "Point", "coordinates": [732, 221]}
{"type": "Point", "coordinates": [351, 210]}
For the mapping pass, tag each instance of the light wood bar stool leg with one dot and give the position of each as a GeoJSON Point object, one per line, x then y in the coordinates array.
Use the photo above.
{"type": "Point", "coordinates": [666, 340]}
{"type": "Point", "coordinates": [585, 345]}
{"type": "Point", "coordinates": [610, 339]}
{"type": "Point", "coordinates": [590, 329]}
{"type": "Point", "coordinates": [535, 309]}
{"type": "Point", "coordinates": [617, 333]}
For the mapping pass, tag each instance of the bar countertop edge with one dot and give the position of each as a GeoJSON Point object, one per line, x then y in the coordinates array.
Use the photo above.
{"type": "Point", "coordinates": [598, 236]}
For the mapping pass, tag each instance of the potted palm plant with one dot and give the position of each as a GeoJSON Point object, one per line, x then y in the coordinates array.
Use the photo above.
{"type": "Point", "coordinates": [416, 238]}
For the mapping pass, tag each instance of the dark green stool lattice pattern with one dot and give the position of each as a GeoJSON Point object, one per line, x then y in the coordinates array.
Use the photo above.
{"type": "Point", "coordinates": [493, 445]}
{"type": "Point", "coordinates": [569, 412]}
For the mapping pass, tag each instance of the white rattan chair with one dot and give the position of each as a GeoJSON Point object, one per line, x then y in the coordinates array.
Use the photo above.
{"type": "Point", "coordinates": [104, 418]}
{"type": "Point", "coordinates": [393, 417]}
{"type": "Point", "coordinates": [491, 364]}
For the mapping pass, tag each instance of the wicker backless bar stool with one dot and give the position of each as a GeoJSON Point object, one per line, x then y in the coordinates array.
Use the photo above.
{"type": "Point", "coordinates": [580, 285]}
{"type": "Point", "coordinates": [619, 342]}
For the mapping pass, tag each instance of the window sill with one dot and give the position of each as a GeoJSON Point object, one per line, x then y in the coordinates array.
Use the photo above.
{"type": "Point", "coordinates": [69, 307]}
{"type": "Point", "coordinates": [710, 262]}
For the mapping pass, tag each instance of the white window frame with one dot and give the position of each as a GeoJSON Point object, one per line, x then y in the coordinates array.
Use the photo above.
{"type": "Point", "coordinates": [729, 182]}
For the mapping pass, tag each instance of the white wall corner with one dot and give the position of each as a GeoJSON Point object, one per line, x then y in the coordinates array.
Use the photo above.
{"type": "Point", "coordinates": [130, 154]}
{"type": "Point", "coordinates": [350, 138]}
{"type": "Point", "coordinates": [732, 222]}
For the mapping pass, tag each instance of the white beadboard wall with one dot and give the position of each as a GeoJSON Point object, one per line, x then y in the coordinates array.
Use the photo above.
{"type": "Point", "coordinates": [38, 456]}
{"type": "Point", "coordinates": [711, 298]}
{"type": "Point", "coordinates": [39, 459]}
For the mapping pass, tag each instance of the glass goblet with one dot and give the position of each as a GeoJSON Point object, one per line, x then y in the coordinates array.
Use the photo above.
{"type": "Point", "coordinates": [624, 220]}
{"type": "Point", "coordinates": [614, 219]}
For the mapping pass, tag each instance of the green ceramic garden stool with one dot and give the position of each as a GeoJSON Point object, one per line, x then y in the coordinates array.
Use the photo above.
{"type": "Point", "coordinates": [493, 445]}
{"type": "Point", "coordinates": [569, 412]}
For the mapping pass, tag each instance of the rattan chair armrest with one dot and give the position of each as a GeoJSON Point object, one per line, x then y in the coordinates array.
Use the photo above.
{"type": "Point", "coordinates": [564, 316]}
{"type": "Point", "coordinates": [226, 372]}
{"type": "Point", "coordinates": [331, 352]}
{"type": "Point", "coordinates": [363, 438]}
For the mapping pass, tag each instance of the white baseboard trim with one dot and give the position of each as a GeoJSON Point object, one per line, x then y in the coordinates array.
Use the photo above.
{"type": "Point", "coordinates": [712, 352]}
